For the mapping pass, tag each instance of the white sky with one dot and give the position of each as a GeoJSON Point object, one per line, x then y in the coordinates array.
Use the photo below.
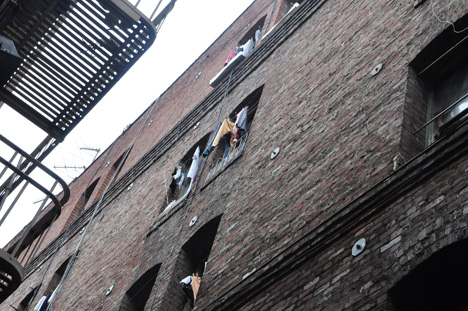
{"type": "Point", "coordinates": [188, 30]}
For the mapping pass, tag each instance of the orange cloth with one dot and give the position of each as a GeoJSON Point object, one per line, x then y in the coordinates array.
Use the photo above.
{"type": "Point", "coordinates": [225, 128]}
{"type": "Point", "coordinates": [196, 280]}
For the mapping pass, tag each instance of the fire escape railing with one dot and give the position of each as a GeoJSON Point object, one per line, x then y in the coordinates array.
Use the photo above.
{"type": "Point", "coordinates": [11, 269]}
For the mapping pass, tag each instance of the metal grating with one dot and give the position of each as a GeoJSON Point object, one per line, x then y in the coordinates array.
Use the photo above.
{"type": "Point", "coordinates": [73, 53]}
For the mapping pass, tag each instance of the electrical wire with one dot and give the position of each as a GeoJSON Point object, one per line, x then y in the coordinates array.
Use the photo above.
{"type": "Point", "coordinates": [198, 176]}
{"type": "Point", "coordinates": [97, 207]}
{"type": "Point", "coordinates": [445, 21]}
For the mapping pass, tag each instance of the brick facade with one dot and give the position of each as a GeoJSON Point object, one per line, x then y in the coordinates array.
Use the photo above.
{"type": "Point", "coordinates": [278, 231]}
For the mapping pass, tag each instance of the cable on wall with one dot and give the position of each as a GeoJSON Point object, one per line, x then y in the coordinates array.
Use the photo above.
{"type": "Point", "coordinates": [198, 177]}
{"type": "Point", "coordinates": [96, 209]}
{"type": "Point", "coordinates": [445, 21]}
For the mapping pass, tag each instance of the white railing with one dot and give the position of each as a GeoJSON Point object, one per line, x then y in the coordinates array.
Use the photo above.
{"type": "Point", "coordinates": [225, 161]}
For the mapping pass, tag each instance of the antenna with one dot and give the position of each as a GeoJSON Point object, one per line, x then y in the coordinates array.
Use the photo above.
{"type": "Point", "coordinates": [97, 150]}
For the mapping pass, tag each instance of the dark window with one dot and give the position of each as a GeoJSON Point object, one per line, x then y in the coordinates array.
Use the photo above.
{"type": "Point", "coordinates": [56, 278]}
{"type": "Point", "coordinates": [441, 76]}
{"type": "Point", "coordinates": [192, 261]}
{"type": "Point", "coordinates": [240, 50]}
{"type": "Point", "coordinates": [26, 301]}
{"type": "Point", "coordinates": [137, 296]}
{"type": "Point", "coordinates": [439, 283]}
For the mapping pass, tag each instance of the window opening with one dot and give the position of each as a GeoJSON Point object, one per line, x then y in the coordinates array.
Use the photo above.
{"type": "Point", "coordinates": [26, 301]}
{"type": "Point", "coordinates": [192, 262]}
{"type": "Point", "coordinates": [53, 284]}
{"type": "Point", "coordinates": [238, 53]}
{"type": "Point", "coordinates": [183, 175]}
{"type": "Point", "coordinates": [443, 73]}
{"type": "Point", "coordinates": [138, 294]}
{"type": "Point", "coordinates": [117, 166]}
{"type": "Point", "coordinates": [81, 204]}
{"type": "Point", "coordinates": [113, 171]}
{"type": "Point", "coordinates": [229, 142]}
{"type": "Point", "coordinates": [439, 283]}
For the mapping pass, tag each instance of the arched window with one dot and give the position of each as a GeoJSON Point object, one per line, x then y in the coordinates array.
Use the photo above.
{"type": "Point", "coordinates": [439, 283]}
{"type": "Point", "coordinates": [26, 301]}
{"type": "Point", "coordinates": [138, 294]}
{"type": "Point", "coordinates": [191, 264]}
{"type": "Point", "coordinates": [81, 204]}
{"type": "Point", "coordinates": [240, 49]}
{"type": "Point", "coordinates": [232, 134]}
{"type": "Point", "coordinates": [183, 174]}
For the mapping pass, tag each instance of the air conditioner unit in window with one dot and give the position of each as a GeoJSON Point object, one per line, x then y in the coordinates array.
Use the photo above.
{"type": "Point", "coordinates": [455, 113]}
{"type": "Point", "coordinates": [9, 59]}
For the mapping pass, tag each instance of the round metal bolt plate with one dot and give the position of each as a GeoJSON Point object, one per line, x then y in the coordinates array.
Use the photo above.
{"type": "Point", "coordinates": [359, 247]}
{"type": "Point", "coordinates": [130, 186]}
{"type": "Point", "coordinates": [193, 221]}
{"type": "Point", "coordinates": [376, 69]}
{"type": "Point", "coordinates": [275, 153]}
{"type": "Point", "coordinates": [109, 290]}
{"type": "Point", "coordinates": [107, 164]}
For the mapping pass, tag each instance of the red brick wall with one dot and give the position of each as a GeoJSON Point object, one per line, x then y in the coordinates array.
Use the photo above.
{"type": "Point", "coordinates": [339, 129]}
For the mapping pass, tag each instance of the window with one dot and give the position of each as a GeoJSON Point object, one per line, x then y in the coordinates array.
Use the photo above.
{"type": "Point", "coordinates": [191, 264]}
{"type": "Point", "coordinates": [57, 277]}
{"type": "Point", "coordinates": [81, 204]}
{"type": "Point", "coordinates": [181, 178]}
{"type": "Point", "coordinates": [137, 296]}
{"type": "Point", "coordinates": [229, 142]}
{"type": "Point", "coordinates": [441, 77]}
{"type": "Point", "coordinates": [27, 300]}
{"type": "Point", "coordinates": [439, 283]}
{"type": "Point", "coordinates": [448, 98]}
{"type": "Point", "coordinates": [240, 51]}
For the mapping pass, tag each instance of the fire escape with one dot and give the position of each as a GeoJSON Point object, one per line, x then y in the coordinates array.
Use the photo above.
{"type": "Point", "coordinates": [57, 61]}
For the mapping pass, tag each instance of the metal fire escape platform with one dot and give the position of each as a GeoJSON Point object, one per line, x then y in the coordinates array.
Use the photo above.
{"type": "Point", "coordinates": [66, 55]}
{"type": "Point", "coordinates": [72, 53]}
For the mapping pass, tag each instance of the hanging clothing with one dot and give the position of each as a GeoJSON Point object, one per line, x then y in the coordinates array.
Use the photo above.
{"type": "Point", "coordinates": [241, 125]}
{"type": "Point", "coordinates": [257, 35]}
{"type": "Point", "coordinates": [230, 57]}
{"type": "Point", "coordinates": [196, 280]}
{"type": "Point", "coordinates": [181, 181]}
{"type": "Point", "coordinates": [186, 284]}
{"type": "Point", "coordinates": [241, 121]}
{"type": "Point", "coordinates": [177, 174]}
{"type": "Point", "coordinates": [226, 142]}
{"type": "Point", "coordinates": [194, 166]}
{"type": "Point", "coordinates": [248, 47]}
{"type": "Point", "coordinates": [225, 128]}
{"type": "Point", "coordinates": [210, 145]}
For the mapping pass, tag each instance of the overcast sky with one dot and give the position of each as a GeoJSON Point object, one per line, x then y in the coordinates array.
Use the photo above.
{"type": "Point", "coordinates": [188, 30]}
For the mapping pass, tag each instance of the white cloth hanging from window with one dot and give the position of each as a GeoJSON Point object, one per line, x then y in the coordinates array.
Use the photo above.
{"type": "Point", "coordinates": [179, 172]}
{"type": "Point", "coordinates": [257, 35]}
{"type": "Point", "coordinates": [194, 166]}
{"type": "Point", "coordinates": [248, 47]}
{"type": "Point", "coordinates": [241, 121]}
{"type": "Point", "coordinates": [181, 181]}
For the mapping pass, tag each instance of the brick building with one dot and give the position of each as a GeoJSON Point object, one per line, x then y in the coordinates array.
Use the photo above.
{"type": "Point", "coordinates": [345, 191]}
